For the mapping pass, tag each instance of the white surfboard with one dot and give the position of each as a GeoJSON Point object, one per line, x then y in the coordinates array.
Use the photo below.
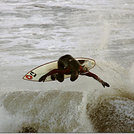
{"type": "Point", "coordinates": [36, 73]}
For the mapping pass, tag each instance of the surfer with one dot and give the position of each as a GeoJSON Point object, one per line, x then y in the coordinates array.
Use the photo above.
{"type": "Point", "coordinates": [68, 65]}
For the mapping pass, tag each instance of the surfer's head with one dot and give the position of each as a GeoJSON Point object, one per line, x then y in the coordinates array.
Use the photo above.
{"type": "Point", "coordinates": [67, 61]}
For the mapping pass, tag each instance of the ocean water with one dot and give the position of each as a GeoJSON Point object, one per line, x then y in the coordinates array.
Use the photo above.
{"type": "Point", "coordinates": [33, 32]}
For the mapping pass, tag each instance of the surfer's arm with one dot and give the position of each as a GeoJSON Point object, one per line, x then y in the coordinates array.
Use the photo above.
{"type": "Point", "coordinates": [96, 78]}
{"type": "Point", "coordinates": [54, 71]}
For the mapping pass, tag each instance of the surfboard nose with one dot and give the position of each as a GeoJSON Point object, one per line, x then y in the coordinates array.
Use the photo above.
{"type": "Point", "coordinates": [24, 77]}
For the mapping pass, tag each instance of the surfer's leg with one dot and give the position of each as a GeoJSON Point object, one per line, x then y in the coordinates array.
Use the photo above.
{"type": "Point", "coordinates": [60, 76]}
{"type": "Point", "coordinates": [74, 75]}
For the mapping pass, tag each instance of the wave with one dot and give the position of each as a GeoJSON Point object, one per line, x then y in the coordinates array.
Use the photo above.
{"type": "Point", "coordinates": [66, 111]}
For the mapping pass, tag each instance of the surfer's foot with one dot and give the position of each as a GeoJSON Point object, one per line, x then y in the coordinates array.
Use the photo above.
{"type": "Point", "coordinates": [43, 78]}
{"type": "Point", "coordinates": [105, 84]}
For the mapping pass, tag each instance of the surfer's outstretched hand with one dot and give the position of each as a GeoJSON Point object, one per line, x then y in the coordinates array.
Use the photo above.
{"type": "Point", "coordinates": [43, 78]}
{"type": "Point", "coordinates": [105, 84]}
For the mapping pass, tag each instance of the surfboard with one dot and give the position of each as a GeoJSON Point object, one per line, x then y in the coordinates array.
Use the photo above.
{"type": "Point", "coordinates": [36, 73]}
